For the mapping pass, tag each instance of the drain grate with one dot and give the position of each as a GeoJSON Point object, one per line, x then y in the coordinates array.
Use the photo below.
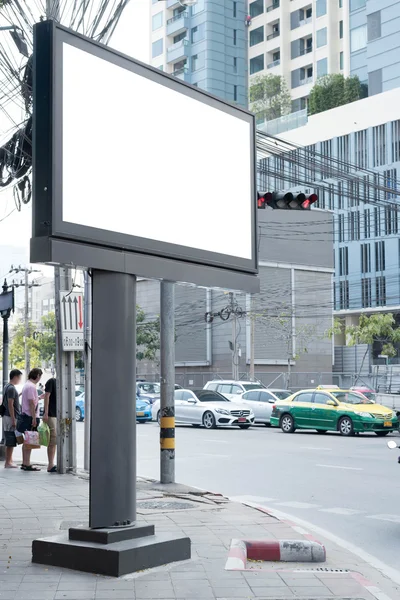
{"type": "Point", "coordinates": [322, 570]}
{"type": "Point", "coordinates": [162, 505]}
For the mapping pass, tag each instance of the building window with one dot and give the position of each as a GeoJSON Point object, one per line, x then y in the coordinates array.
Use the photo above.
{"type": "Point", "coordinates": [195, 62]}
{"type": "Point", "coordinates": [380, 261]}
{"type": "Point", "coordinates": [198, 33]}
{"type": "Point", "coordinates": [377, 220]}
{"type": "Point", "coordinates": [341, 229]}
{"type": "Point", "coordinates": [367, 223]}
{"type": "Point", "coordinates": [322, 67]}
{"type": "Point", "coordinates": [375, 82]}
{"type": "Point", "coordinates": [321, 8]}
{"type": "Point", "coordinates": [361, 149]}
{"type": "Point", "coordinates": [379, 145]}
{"type": "Point", "coordinates": [381, 291]}
{"type": "Point", "coordinates": [391, 220]}
{"type": "Point", "coordinates": [256, 8]}
{"type": "Point", "coordinates": [357, 4]}
{"type": "Point", "coordinates": [366, 292]}
{"type": "Point", "coordinates": [389, 181]}
{"type": "Point", "coordinates": [257, 64]}
{"type": "Point", "coordinates": [157, 21]}
{"type": "Point", "coordinates": [341, 61]}
{"type": "Point", "coordinates": [341, 29]}
{"type": "Point", "coordinates": [344, 261]}
{"type": "Point", "coordinates": [358, 38]}
{"type": "Point", "coordinates": [322, 37]}
{"type": "Point", "coordinates": [198, 7]}
{"type": "Point", "coordinates": [235, 37]}
{"type": "Point", "coordinates": [395, 141]}
{"type": "Point", "coordinates": [235, 95]}
{"type": "Point", "coordinates": [234, 10]}
{"type": "Point", "coordinates": [235, 68]}
{"type": "Point", "coordinates": [344, 294]}
{"type": "Point", "coordinates": [374, 26]}
{"type": "Point", "coordinates": [256, 36]}
{"type": "Point", "coordinates": [157, 48]}
{"type": "Point", "coordinates": [354, 226]}
{"type": "Point", "coordinates": [340, 3]}
{"type": "Point", "coordinates": [326, 159]}
{"type": "Point", "coordinates": [343, 152]}
{"type": "Point", "coordinates": [365, 258]}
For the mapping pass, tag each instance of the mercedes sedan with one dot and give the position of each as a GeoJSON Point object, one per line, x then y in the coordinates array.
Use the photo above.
{"type": "Point", "coordinates": [208, 409]}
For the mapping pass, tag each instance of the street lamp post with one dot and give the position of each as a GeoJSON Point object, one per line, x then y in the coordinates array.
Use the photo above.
{"type": "Point", "coordinates": [18, 36]}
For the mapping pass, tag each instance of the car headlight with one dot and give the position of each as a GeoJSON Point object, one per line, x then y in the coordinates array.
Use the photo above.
{"type": "Point", "coordinates": [363, 414]}
{"type": "Point", "coordinates": [222, 411]}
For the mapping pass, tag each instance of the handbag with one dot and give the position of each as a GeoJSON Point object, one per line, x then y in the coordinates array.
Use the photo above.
{"type": "Point", "coordinates": [31, 440]}
{"type": "Point", "coordinates": [3, 404]}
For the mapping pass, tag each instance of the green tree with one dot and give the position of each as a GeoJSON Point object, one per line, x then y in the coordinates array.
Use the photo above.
{"type": "Point", "coordinates": [269, 96]}
{"type": "Point", "coordinates": [335, 90]}
{"type": "Point", "coordinates": [17, 347]}
{"type": "Point", "coordinates": [48, 338]}
{"type": "Point", "coordinates": [147, 336]}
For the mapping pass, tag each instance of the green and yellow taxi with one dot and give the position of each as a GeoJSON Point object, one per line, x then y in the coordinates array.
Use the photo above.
{"type": "Point", "coordinates": [333, 409]}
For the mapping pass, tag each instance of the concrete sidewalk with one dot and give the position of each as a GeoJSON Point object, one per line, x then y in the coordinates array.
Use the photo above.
{"type": "Point", "coordinates": [35, 505]}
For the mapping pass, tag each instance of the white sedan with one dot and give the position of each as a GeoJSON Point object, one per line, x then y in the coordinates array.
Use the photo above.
{"type": "Point", "coordinates": [260, 402]}
{"type": "Point", "coordinates": [208, 409]}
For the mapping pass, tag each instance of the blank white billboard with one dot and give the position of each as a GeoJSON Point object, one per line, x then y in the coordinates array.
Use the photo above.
{"type": "Point", "coordinates": [142, 159]}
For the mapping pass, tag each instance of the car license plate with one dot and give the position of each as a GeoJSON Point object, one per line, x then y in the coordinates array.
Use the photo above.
{"type": "Point", "coordinates": [140, 414]}
{"type": "Point", "coordinates": [242, 420]}
{"type": "Point", "coordinates": [387, 423]}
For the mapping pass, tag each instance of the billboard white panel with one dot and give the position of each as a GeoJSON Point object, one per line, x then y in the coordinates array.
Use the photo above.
{"type": "Point", "coordinates": [143, 159]}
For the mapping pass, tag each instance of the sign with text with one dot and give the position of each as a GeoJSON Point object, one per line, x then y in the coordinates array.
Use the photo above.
{"type": "Point", "coordinates": [71, 304]}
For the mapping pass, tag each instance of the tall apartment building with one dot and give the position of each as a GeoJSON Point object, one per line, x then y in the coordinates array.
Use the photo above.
{"type": "Point", "coordinates": [205, 45]}
{"type": "Point", "coordinates": [375, 43]}
{"type": "Point", "coordinates": [300, 40]}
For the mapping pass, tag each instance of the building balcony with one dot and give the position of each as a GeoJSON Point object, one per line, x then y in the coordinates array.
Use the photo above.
{"type": "Point", "coordinates": [178, 51]}
{"type": "Point", "coordinates": [274, 63]}
{"type": "Point", "coordinates": [173, 3]}
{"type": "Point", "coordinates": [306, 80]}
{"type": "Point", "coordinates": [178, 23]}
{"type": "Point", "coordinates": [305, 51]}
{"type": "Point", "coordinates": [183, 74]}
{"type": "Point", "coordinates": [273, 6]}
{"type": "Point", "coordinates": [305, 21]}
{"type": "Point", "coordinates": [273, 35]}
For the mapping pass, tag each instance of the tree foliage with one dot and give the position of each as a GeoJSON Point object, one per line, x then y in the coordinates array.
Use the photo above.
{"type": "Point", "coordinates": [269, 96]}
{"type": "Point", "coordinates": [335, 90]}
{"type": "Point", "coordinates": [147, 336]}
{"type": "Point", "coordinates": [17, 347]}
{"type": "Point", "coordinates": [379, 327]}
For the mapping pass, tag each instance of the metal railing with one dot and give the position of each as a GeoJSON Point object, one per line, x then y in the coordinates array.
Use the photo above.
{"type": "Point", "coordinates": [275, 63]}
{"type": "Point", "coordinates": [181, 71]}
{"type": "Point", "coordinates": [306, 80]}
{"type": "Point", "coordinates": [178, 45]}
{"type": "Point", "coordinates": [305, 21]}
{"type": "Point", "coordinates": [181, 15]}
{"type": "Point", "coordinates": [305, 51]}
{"type": "Point", "coordinates": [271, 36]}
{"type": "Point", "coordinates": [273, 6]}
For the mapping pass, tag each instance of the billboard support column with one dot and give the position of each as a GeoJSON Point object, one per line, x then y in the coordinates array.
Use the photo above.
{"type": "Point", "coordinates": [167, 401]}
{"type": "Point", "coordinates": [113, 410]}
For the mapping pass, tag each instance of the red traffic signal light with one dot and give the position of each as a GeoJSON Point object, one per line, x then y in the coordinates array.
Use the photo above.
{"type": "Point", "coordinates": [286, 200]}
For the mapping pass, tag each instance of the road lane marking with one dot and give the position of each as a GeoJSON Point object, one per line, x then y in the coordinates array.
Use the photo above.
{"type": "Point", "coordinates": [315, 448]}
{"type": "Point", "coordinates": [340, 467]}
{"type": "Point", "coordinates": [390, 518]}
{"type": "Point", "coordinates": [255, 499]}
{"type": "Point", "coordinates": [295, 504]}
{"type": "Point", "coordinates": [341, 511]}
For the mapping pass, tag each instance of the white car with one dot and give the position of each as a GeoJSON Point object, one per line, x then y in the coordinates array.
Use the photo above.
{"type": "Point", "coordinates": [232, 389]}
{"type": "Point", "coordinates": [260, 402]}
{"type": "Point", "coordinates": [208, 409]}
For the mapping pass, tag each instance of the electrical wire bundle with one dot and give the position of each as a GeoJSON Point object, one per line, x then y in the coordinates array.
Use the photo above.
{"type": "Point", "coordinates": [96, 19]}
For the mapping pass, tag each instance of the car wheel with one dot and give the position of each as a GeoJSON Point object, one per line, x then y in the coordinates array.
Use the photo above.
{"type": "Point", "coordinates": [209, 420]}
{"type": "Point", "coordinates": [346, 426]}
{"type": "Point", "coordinates": [141, 422]}
{"type": "Point", "coordinates": [78, 414]}
{"type": "Point", "coordinates": [322, 431]}
{"type": "Point", "coordinates": [287, 424]}
{"type": "Point", "coordinates": [382, 433]}
{"type": "Point", "coordinates": [244, 426]}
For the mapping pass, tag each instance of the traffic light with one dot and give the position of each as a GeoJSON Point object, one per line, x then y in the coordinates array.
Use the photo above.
{"type": "Point", "coordinates": [286, 200]}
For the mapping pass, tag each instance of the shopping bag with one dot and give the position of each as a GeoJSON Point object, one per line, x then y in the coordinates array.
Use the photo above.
{"type": "Point", "coordinates": [44, 434]}
{"type": "Point", "coordinates": [19, 437]}
{"type": "Point", "coordinates": [31, 440]}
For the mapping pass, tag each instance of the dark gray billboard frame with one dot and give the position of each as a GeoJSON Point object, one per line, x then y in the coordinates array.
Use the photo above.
{"type": "Point", "coordinates": [115, 259]}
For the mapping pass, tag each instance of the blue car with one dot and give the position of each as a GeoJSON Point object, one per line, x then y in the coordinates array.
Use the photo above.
{"type": "Point", "coordinates": [143, 410]}
{"type": "Point", "coordinates": [80, 407]}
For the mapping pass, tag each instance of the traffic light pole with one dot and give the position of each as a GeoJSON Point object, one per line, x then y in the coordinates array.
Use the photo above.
{"type": "Point", "coordinates": [167, 369]}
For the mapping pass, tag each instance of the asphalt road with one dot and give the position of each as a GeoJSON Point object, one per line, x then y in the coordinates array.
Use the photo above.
{"type": "Point", "coordinates": [347, 486]}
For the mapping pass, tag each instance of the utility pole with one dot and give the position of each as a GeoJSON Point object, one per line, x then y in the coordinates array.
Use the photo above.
{"type": "Point", "coordinates": [87, 318]}
{"type": "Point", "coordinates": [65, 378]}
{"type": "Point", "coordinates": [27, 285]}
{"type": "Point", "coordinates": [6, 306]}
{"type": "Point", "coordinates": [252, 343]}
{"type": "Point", "coordinates": [167, 370]}
{"type": "Point", "coordinates": [235, 366]}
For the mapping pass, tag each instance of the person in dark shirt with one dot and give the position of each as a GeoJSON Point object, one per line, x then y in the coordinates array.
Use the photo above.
{"type": "Point", "coordinates": [50, 417]}
{"type": "Point", "coordinates": [12, 412]}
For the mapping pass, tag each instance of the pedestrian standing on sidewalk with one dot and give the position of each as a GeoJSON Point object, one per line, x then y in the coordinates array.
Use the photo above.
{"type": "Point", "coordinates": [50, 417]}
{"type": "Point", "coordinates": [28, 419]}
{"type": "Point", "coordinates": [12, 412]}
